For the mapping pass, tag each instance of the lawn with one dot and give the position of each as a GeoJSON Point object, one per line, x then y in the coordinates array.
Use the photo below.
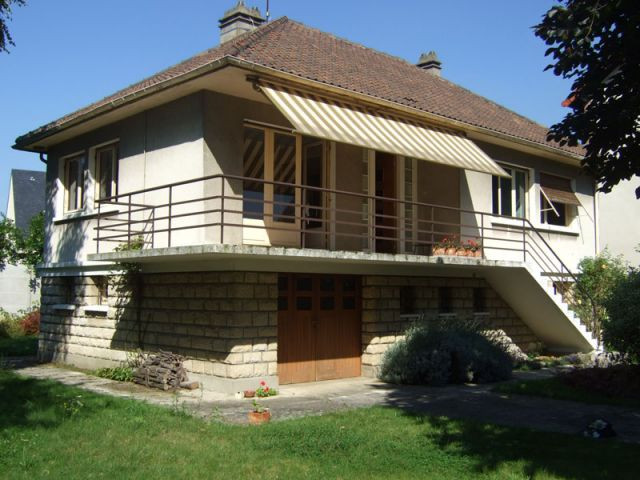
{"type": "Point", "coordinates": [18, 346]}
{"type": "Point", "coordinates": [48, 430]}
{"type": "Point", "coordinates": [558, 389]}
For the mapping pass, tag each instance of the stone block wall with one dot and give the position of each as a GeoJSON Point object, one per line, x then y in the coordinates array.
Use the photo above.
{"type": "Point", "coordinates": [224, 323]}
{"type": "Point", "coordinates": [383, 322]}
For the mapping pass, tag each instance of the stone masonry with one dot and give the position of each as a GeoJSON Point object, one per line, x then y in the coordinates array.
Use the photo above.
{"type": "Point", "coordinates": [224, 323]}
{"type": "Point", "coordinates": [383, 322]}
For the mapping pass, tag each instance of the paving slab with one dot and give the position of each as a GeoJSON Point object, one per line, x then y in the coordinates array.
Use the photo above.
{"type": "Point", "coordinates": [474, 402]}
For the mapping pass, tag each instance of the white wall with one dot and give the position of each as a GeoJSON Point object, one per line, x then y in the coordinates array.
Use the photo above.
{"type": "Point", "coordinates": [15, 289]}
{"type": "Point", "coordinates": [570, 243]}
{"type": "Point", "coordinates": [619, 220]}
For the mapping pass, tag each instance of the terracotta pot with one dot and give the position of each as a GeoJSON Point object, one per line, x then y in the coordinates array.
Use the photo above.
{"type": "Point", "coordinates": [439, 251]}
{"type": "Point", "coordinates": [462, 252]}
{"type": "Point", "coordinates": [258, 418]}
{"type": "Point", "coordinates": [249, 393]}
{"type": "Point", "coordinates": [477, 253]}
{"type": "Point", "coordinates": [450, 251]}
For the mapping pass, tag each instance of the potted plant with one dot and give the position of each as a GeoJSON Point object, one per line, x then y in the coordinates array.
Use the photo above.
{"type": "Point", "coordinates": [259, 414]}
{"type": "Point", "coordinates": [439, 248]}
{"type": "Point", "coordinates": [474, 248]}
{"type": "Point", "coordinates": [249, 393]}
{"type": "Point", "coordinates": [450, 245]}
{"type": "Point", "coordinates": [265, 391]}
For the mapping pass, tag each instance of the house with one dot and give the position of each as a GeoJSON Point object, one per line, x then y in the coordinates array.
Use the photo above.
{"type": "Point", "coordinates": [615, 209]}
{"type": "Point", "coordinates": [284, 197]}
{"type": "Point", "coordinates": [18, 291]}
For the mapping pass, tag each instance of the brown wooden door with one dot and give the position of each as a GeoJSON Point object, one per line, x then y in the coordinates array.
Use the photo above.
{"type": "Point", "coordinates": [318, 327]}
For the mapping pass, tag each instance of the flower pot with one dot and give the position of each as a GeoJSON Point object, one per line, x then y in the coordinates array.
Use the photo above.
{"type": "Point", "coordinates": [249, 393]}
{"type": "Point", "coordinates": [477, 254]}
{"type": "Point", "coordinates": [439, 251]}
{"type": "Point", "coordinates": [450, 251]}
{"type": "Point", "coordinates": [461, 252]}
{"type": "Point", "coordinates": [258, 418]}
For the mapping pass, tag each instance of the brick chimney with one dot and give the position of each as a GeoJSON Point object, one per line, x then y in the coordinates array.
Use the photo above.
{"type": "Point", "coordinates": [238, 20]}
{"type": "Point", "coordinates": [430, 62]}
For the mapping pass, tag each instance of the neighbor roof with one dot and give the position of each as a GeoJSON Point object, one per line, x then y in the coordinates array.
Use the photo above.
{"type": "Point", "coordinates": [340, 63]}
{"type": "Point", "coordinates": [28, 196]}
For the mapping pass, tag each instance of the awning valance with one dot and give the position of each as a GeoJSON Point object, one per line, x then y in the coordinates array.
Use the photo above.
{"type": "Point", "coordinates": [558, 189]}
{"type": "Point", "coordinates": [333, 120]}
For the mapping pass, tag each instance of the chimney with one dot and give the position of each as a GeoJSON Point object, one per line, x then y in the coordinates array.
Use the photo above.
{"type": "Point", "coordinates": [430, 62]}
{"type": "Point", "coordinates": [238, 20]}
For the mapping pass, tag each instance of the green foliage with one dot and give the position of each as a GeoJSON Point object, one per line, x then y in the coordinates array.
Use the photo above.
{"type": "Point", "coordinates": [265, 390]}
{"type": "Point", "coordinates": [9, 324]}
{"type": "Point", "coordinates": [598, 277]}
{"type": "Point", "coordinates": [17, 247]}
{"type": "Point", "coordinates": [120, 374]}
{"type": "Point", "coordinates": [136, 243]}
{"type": "Point", "coordinates": [18, 346]}
{"type": "Point", "coordinates": [621, 328]}
{"type": "Point", "coordinates": [597, 44]}
{"type": "Point", "coordinates": [5, 15]}
{"type": "Point", "coordinates": [439, 352]}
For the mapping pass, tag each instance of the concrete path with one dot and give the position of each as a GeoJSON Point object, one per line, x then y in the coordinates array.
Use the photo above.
{"type": "Point", "coordinates": [475, 402]}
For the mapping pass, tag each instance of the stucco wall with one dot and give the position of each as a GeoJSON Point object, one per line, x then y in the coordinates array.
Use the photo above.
{"type": "Point", "coordinates": [162, 145]}
{"type": "Point", "coordinates": [17, 292]}
{"type": "Point", "coordinates": [619, 220]}
{"type": "Point", "coordinates": [570, 243]}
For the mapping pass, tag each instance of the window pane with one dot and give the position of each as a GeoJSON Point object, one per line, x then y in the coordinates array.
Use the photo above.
{"type": "Point", "coordinates": [253, 158]}
{"type": "Point", "coordinates": [561, 218]}
{"type": "Point", "coordinates": [72, 184]}
{"type": "Point", "coordinates": [495, 186]}
{"type": "Point", "coordinates": [520, 180]}
{"type": "Point", "coordinates": [505, 196]}
{"type": "Point", "coordinates": [105, 172]}
{"type": "Point", "coordinates": [284, 170]}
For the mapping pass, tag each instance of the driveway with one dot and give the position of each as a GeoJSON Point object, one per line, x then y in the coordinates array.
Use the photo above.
{"type": "Point", "coordinates": [473, 402]}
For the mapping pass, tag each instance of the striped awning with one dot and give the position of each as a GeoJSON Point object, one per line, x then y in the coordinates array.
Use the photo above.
{"type": "Point", "coordinates": [333, 120]}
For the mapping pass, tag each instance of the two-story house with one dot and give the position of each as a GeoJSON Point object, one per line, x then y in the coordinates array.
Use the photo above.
{"type": "Point", "coordinates": [291, 193]}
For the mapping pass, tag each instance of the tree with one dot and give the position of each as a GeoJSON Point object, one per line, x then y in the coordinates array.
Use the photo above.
{"type": "Point", "coordinates": [597, 44]}
{"type": "Point", "coordinates": [5, 16]}
{"type": "Point", "coordinates": [25, 248]}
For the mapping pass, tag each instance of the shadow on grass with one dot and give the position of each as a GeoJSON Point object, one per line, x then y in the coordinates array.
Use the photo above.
{"type": "Point", "coordinates": [32, 403]}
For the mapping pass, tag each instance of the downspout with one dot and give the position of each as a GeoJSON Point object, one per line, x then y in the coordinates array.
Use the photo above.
{"type": "Point", "coordinates": [42, 159]}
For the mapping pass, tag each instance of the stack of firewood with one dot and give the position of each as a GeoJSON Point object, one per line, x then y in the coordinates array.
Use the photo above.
{"type": "Point", "coordinates": [162, 370]}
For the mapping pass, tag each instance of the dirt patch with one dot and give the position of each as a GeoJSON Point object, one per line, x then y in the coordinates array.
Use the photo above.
{"type": "Point", "coordinates": [622, 381]}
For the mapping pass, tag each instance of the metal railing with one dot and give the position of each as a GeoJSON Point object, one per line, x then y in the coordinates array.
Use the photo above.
{"type": "Point", "coordinates": [215, 208]}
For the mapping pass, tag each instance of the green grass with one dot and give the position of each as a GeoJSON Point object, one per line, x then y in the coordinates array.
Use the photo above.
{"type": "Point", "coordinates": [555, 388]}
{"type": "Point", "coordinates": [48, 430]}
{"type": "Point", "coordinates": [18, 346]}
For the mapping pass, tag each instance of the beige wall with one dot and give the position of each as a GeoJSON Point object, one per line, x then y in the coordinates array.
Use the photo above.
{"type": "Point", "coordinates": [570, 243]}
{"type": "Point", "coordinates": [619, 220]}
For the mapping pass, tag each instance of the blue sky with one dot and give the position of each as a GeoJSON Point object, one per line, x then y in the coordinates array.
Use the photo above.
{"type": "Point", "coordinates": [70, 53]}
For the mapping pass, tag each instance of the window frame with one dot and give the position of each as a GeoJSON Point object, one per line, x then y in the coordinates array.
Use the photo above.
{"type": "Point", "coordinates": [527, 186]}
{"type": "Point", "coordinates": [80, 157]}
{"type": "Point", "coordinates": [115, 170]}
{"type": "Point", "coordinates": [546, 205]}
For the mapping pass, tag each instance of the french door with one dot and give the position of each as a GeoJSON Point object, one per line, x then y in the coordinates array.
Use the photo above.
{"type": "Point", "coordinates": [271, 211]}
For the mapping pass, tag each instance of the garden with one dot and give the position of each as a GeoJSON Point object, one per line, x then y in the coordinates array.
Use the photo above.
{"type": "Point", "coordinates": [19, 333]}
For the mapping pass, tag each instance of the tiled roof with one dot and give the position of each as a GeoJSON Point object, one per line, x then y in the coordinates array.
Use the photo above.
{"type": "Point", "coordinates": [28, 196]}
{"type": "Point", "coordinates": [294, 48]}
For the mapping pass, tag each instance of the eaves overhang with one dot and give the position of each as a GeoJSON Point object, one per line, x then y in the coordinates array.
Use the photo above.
{"type": "Point", "coordinates": [29, 141]}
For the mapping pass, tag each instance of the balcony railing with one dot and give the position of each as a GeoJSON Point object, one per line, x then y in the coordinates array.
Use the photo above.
{"type": "Point", "coordinates": [213, 209]}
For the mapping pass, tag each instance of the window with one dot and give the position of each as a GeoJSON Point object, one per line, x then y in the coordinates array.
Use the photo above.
{"type": "Point", "coordinates": [106, 171]}
{"type": "Point", "coordinates": [557, 200]}
{"type": "Point", "coordinates": [102, 290]}
{"type": "Point", "coordinates": [509, 194]}
{"type": "Point", "coordinates": [74, 183]}
{"type": "Point", "coordinates": [253, 192]}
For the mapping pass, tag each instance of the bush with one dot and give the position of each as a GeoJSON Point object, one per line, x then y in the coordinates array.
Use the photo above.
{"type": "Point", "coordinates": [621, 329]}
{"type": "Point", "coordinates": [121, 374]}
{"type": "Point", "coordinates": [9, 325]}
{"type": "Point", "coordinates": [437, 353]}
{"type": "Point", "coordinates": [598, 277]}
{"type": "Point", "coordinates": [30, 323]}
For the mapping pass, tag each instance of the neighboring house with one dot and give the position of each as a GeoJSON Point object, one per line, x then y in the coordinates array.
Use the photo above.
{"type": "Point", "coordinates": [26, 199]}
{"type": "Point", "coordinates": [291, 189]}
{"type": "Point", "coordinates": [619, 221]}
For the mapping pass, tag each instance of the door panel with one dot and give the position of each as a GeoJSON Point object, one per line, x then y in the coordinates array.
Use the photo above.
{"type": "Point", "coordinates": [318, 328]}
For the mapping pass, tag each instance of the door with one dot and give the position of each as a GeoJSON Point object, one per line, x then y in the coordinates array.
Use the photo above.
{"type": "Point", "coordinates": [385, 211]}
{"type": "Point", "coordinates": [271, 209]}
{"type": "Point", "coordinates": [319, 329]}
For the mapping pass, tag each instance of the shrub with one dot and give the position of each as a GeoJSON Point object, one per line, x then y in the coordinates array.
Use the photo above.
{"type": "Point", "coordinates": [437, 353]}
{"type": "Point", "coordinates": [598, 277]}
{"type": "Point", "coordinates": [621, 329]}
{"type": "Point", "coordinates": [9, 324]}
{"type": "Point", "coordinates": [121, 374]}
{"type": "Point", "coordinates": [30, 323]}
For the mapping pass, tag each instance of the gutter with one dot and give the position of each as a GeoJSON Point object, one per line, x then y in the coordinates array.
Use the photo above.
{"type": "Point", "coordinates": [254, 67]}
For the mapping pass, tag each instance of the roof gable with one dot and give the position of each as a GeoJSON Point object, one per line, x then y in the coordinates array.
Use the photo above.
{"type": "Point", "coordinates": [28, 187]}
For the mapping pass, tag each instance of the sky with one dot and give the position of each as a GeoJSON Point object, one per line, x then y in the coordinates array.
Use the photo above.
{"type": "Point", "coordinates": [70, 53]}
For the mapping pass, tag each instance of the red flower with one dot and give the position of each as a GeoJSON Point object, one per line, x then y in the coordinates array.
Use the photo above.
{"type": "Point", "coordinates": [263, 383]}
{"type": "Point", "coordinates": [266, 389]}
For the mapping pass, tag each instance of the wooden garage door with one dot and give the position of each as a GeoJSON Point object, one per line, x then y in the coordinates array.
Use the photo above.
{"type": "Point", "coordinates": [318, 327]}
